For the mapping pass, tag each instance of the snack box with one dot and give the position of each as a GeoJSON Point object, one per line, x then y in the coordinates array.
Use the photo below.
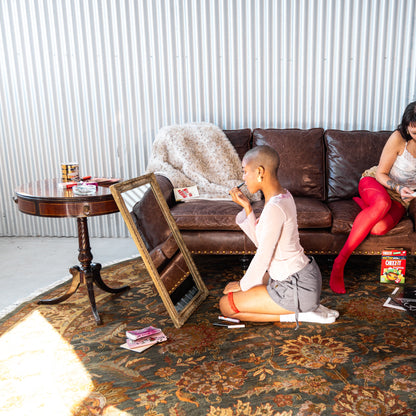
{"type": "Point", "coordinates": [393, 266]}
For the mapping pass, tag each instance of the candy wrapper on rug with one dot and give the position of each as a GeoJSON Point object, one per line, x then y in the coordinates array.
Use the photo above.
{"type": "Point", "coordinates": [393, 266]}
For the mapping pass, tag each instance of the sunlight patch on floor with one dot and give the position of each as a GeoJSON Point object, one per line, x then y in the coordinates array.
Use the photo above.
{"type": "Point", "coordinates": [40, 374]}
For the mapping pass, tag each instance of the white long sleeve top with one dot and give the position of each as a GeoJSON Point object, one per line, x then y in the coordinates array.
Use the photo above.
{"type": "Point", "coordinates": [276, 237]}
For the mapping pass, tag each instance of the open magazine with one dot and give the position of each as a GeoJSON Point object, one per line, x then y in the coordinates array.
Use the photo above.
{"type": "Point", "coordinates": [403, 298]}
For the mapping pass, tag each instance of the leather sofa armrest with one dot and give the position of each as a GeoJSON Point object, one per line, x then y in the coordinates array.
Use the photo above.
{"type": "Point", "coordinates": [166, 188]}
{"type": "Point", "coordinates": [148, 217]}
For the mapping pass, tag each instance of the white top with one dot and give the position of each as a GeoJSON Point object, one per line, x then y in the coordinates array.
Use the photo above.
{"type": "Point", "coordinates": [403, 170]}
{"type": "Point", "coordinates": [276, 237]}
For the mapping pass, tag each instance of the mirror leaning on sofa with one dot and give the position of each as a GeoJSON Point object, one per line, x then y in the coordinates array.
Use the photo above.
{"type": "Point", "coordinates": [160, 244]}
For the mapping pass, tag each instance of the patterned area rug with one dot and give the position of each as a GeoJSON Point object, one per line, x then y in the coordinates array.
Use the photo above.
{"type": "Point", "coordinates": [54, 360]}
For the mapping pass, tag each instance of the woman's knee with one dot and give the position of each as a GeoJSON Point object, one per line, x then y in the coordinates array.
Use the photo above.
{"type": "Point", "coordinates": [375, 196]}
{"type": "Point", "coordinates": [390, 220]}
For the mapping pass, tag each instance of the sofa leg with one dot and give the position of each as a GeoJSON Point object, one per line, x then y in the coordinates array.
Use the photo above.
{"type": "Point", "coordinates": [245, 261]}
{"type": "Point", "coordinates": [330, 260]}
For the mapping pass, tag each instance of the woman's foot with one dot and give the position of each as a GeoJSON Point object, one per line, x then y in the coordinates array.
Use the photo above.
{"type": "Point", "coordinates": [318, 316]}
{"type": "Point", "coordinates": [327, 311]}
{"type": "Point", "coordinates": [336, 281]}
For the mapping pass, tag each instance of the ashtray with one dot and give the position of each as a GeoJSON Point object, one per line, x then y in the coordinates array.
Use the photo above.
{"type": "Point", "coordinates": [84, 189]}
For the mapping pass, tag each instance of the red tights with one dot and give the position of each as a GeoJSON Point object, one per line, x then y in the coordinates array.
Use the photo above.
{"type": "Point", "coordinates": [378, 216]}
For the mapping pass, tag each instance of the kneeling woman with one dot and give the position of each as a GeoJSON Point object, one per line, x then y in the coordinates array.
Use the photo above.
{"type": "Point", "coordinates": [281, 283]}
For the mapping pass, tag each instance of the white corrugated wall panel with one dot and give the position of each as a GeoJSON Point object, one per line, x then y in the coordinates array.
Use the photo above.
{"type": "Point", "coordinates": [94, 81]}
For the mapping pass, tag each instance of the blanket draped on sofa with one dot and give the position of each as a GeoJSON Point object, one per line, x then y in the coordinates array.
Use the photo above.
{"type": "Point", "coordinates": [197, 154]}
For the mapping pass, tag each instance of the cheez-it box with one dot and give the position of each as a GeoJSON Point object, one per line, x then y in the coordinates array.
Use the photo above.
{"type": "Point", "coordinates": [393, 266]}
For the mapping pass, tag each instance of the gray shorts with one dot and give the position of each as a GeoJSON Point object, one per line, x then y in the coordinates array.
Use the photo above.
{"type": "Point", "coordinates": [301, 291]}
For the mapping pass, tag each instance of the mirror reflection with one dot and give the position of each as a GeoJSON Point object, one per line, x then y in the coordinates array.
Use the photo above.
{"type": "Point", "coordinates": [161, 246]}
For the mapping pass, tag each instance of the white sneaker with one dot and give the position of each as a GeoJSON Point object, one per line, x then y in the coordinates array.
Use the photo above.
{"type": "Point", "coordinates": [317, 316]}
{"type": "Point", "coordinates": [331, 312]}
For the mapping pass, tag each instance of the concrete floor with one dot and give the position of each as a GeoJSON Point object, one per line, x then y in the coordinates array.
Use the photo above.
{"type": "Point", "coordinates": [31, 265]}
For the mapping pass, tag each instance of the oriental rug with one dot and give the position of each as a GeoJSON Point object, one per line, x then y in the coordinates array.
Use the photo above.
{"type": "Point", "coordinates": [54, 359]}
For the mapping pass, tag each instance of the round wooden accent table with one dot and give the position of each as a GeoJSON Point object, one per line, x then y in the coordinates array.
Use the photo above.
{"type": "Point", "coordinates": [45, 198]}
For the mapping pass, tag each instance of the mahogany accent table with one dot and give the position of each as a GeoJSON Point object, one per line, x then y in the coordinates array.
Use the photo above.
{"type": "Point", "coordinates": [45, 198]}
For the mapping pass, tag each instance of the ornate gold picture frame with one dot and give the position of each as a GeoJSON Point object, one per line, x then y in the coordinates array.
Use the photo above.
{"type": "Point", "coordinates": [161, 246]}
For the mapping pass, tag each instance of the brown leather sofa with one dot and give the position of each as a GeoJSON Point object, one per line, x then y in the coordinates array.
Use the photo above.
{"type": "Point", "coordinates": [321, 169]}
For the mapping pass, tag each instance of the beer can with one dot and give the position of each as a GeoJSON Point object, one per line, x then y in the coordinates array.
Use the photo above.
{"type": "Point", "coordinates": [70, 172]}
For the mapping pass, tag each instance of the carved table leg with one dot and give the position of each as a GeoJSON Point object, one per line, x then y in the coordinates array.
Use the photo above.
{"type": "Point", "coordinates": [88, 273]}
{"type": "Point", "coordinates": [96, 267]}
{"type": "Point", "coordinates": [76, 280]}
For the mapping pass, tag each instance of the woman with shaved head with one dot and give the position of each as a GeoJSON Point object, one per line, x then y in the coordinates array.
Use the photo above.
{"type": "Point", "coordinates": [281, 282]}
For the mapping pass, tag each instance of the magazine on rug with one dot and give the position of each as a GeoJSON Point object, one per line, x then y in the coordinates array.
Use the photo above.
{"type": "Point", "coordinates": [403, 298]}
{"type": "Point", "coordinates": [139, 340]}
{"type": "Point", "coordinates": [142, 333]}
{"type": "Point", "coordinates": [390, 303]}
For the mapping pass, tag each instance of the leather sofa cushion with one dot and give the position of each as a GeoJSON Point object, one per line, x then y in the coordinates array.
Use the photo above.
{"type": "Point", "coordinates": [312, 213]}
{"type": "Point", "coordinates": [200, 215]}
{"type": "Point", "coordinates": [240, 139]}
{"type": "Point", "coordinates": [207, 214]}
{"type": "Point", "coordinates": [348, 155]}
{"type": "Point", "coordinates": [345, 211]}
{"type": "Point", "coordinates": [302, 160]}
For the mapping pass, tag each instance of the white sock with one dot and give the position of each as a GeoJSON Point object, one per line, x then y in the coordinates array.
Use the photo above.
{"type": "Point", "coordinates": [328, 311]}
{"type": "Point", "coordinates": [319, 316]}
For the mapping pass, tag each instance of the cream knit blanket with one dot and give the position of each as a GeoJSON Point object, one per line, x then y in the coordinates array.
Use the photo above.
{"type": "Point", "coordinates": [197, 154]}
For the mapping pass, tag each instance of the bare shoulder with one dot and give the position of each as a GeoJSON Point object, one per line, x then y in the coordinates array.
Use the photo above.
{"type": "Point", "coordinates": [396, 142]}
{"type": "Point", "coordinates": [394, 146]}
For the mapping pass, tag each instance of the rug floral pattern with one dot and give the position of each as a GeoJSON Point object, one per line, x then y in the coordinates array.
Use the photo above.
{"type": "Point", "coordinates": [364, 364]}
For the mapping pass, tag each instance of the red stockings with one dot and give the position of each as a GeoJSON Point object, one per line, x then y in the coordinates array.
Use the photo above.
{"type": "Point", "coordinates": [378, 216]}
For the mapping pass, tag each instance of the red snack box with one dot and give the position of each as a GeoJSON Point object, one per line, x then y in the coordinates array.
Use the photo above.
{"type": "Point", "coordinates": [393, 266]}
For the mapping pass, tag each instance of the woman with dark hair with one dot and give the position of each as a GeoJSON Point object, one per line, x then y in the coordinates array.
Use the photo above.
{"type": "Point", "coordinates": [386, 191]}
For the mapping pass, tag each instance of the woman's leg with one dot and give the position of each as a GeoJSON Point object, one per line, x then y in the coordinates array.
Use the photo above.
{"type": "Point", "coordinates": [378, 208]}
{"type": "Point", "coordinates": [256, 305]}
{"type": "Point", "coordinates": [392, 218]}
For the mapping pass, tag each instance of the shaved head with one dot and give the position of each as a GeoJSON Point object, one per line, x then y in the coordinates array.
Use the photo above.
{"type": "Point", "coordinates": [264, 156]}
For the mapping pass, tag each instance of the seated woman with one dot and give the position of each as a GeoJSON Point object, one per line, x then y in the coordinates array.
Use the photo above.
{"type": "Point", "coordinates": [281, 282]}
{"type": "Point", "coordinates": [385, 192]}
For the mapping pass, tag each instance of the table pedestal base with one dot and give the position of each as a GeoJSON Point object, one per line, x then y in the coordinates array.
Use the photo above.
{"type": "Point", "coordinates": [88, 273]}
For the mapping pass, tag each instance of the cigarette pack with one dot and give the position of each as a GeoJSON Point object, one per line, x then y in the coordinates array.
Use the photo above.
{"type": "Point", "coordinates": [393, 266]}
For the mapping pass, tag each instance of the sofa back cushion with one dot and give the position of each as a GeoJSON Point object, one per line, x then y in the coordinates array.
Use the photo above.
{"type": "Point", "coordinates": [240, 139]}
{"type": "Point", "coordinates": [348, 155]}
{"type": "Point", "coordinates": [302, 160]}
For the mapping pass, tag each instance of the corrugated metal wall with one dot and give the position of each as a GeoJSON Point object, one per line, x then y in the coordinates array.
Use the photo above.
{"type": "Point", "coordinates": [94, 81]}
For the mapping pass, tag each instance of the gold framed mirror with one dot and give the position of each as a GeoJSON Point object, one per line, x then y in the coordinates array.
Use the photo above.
{"type": "Point", "coordinates": [161, 246]}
